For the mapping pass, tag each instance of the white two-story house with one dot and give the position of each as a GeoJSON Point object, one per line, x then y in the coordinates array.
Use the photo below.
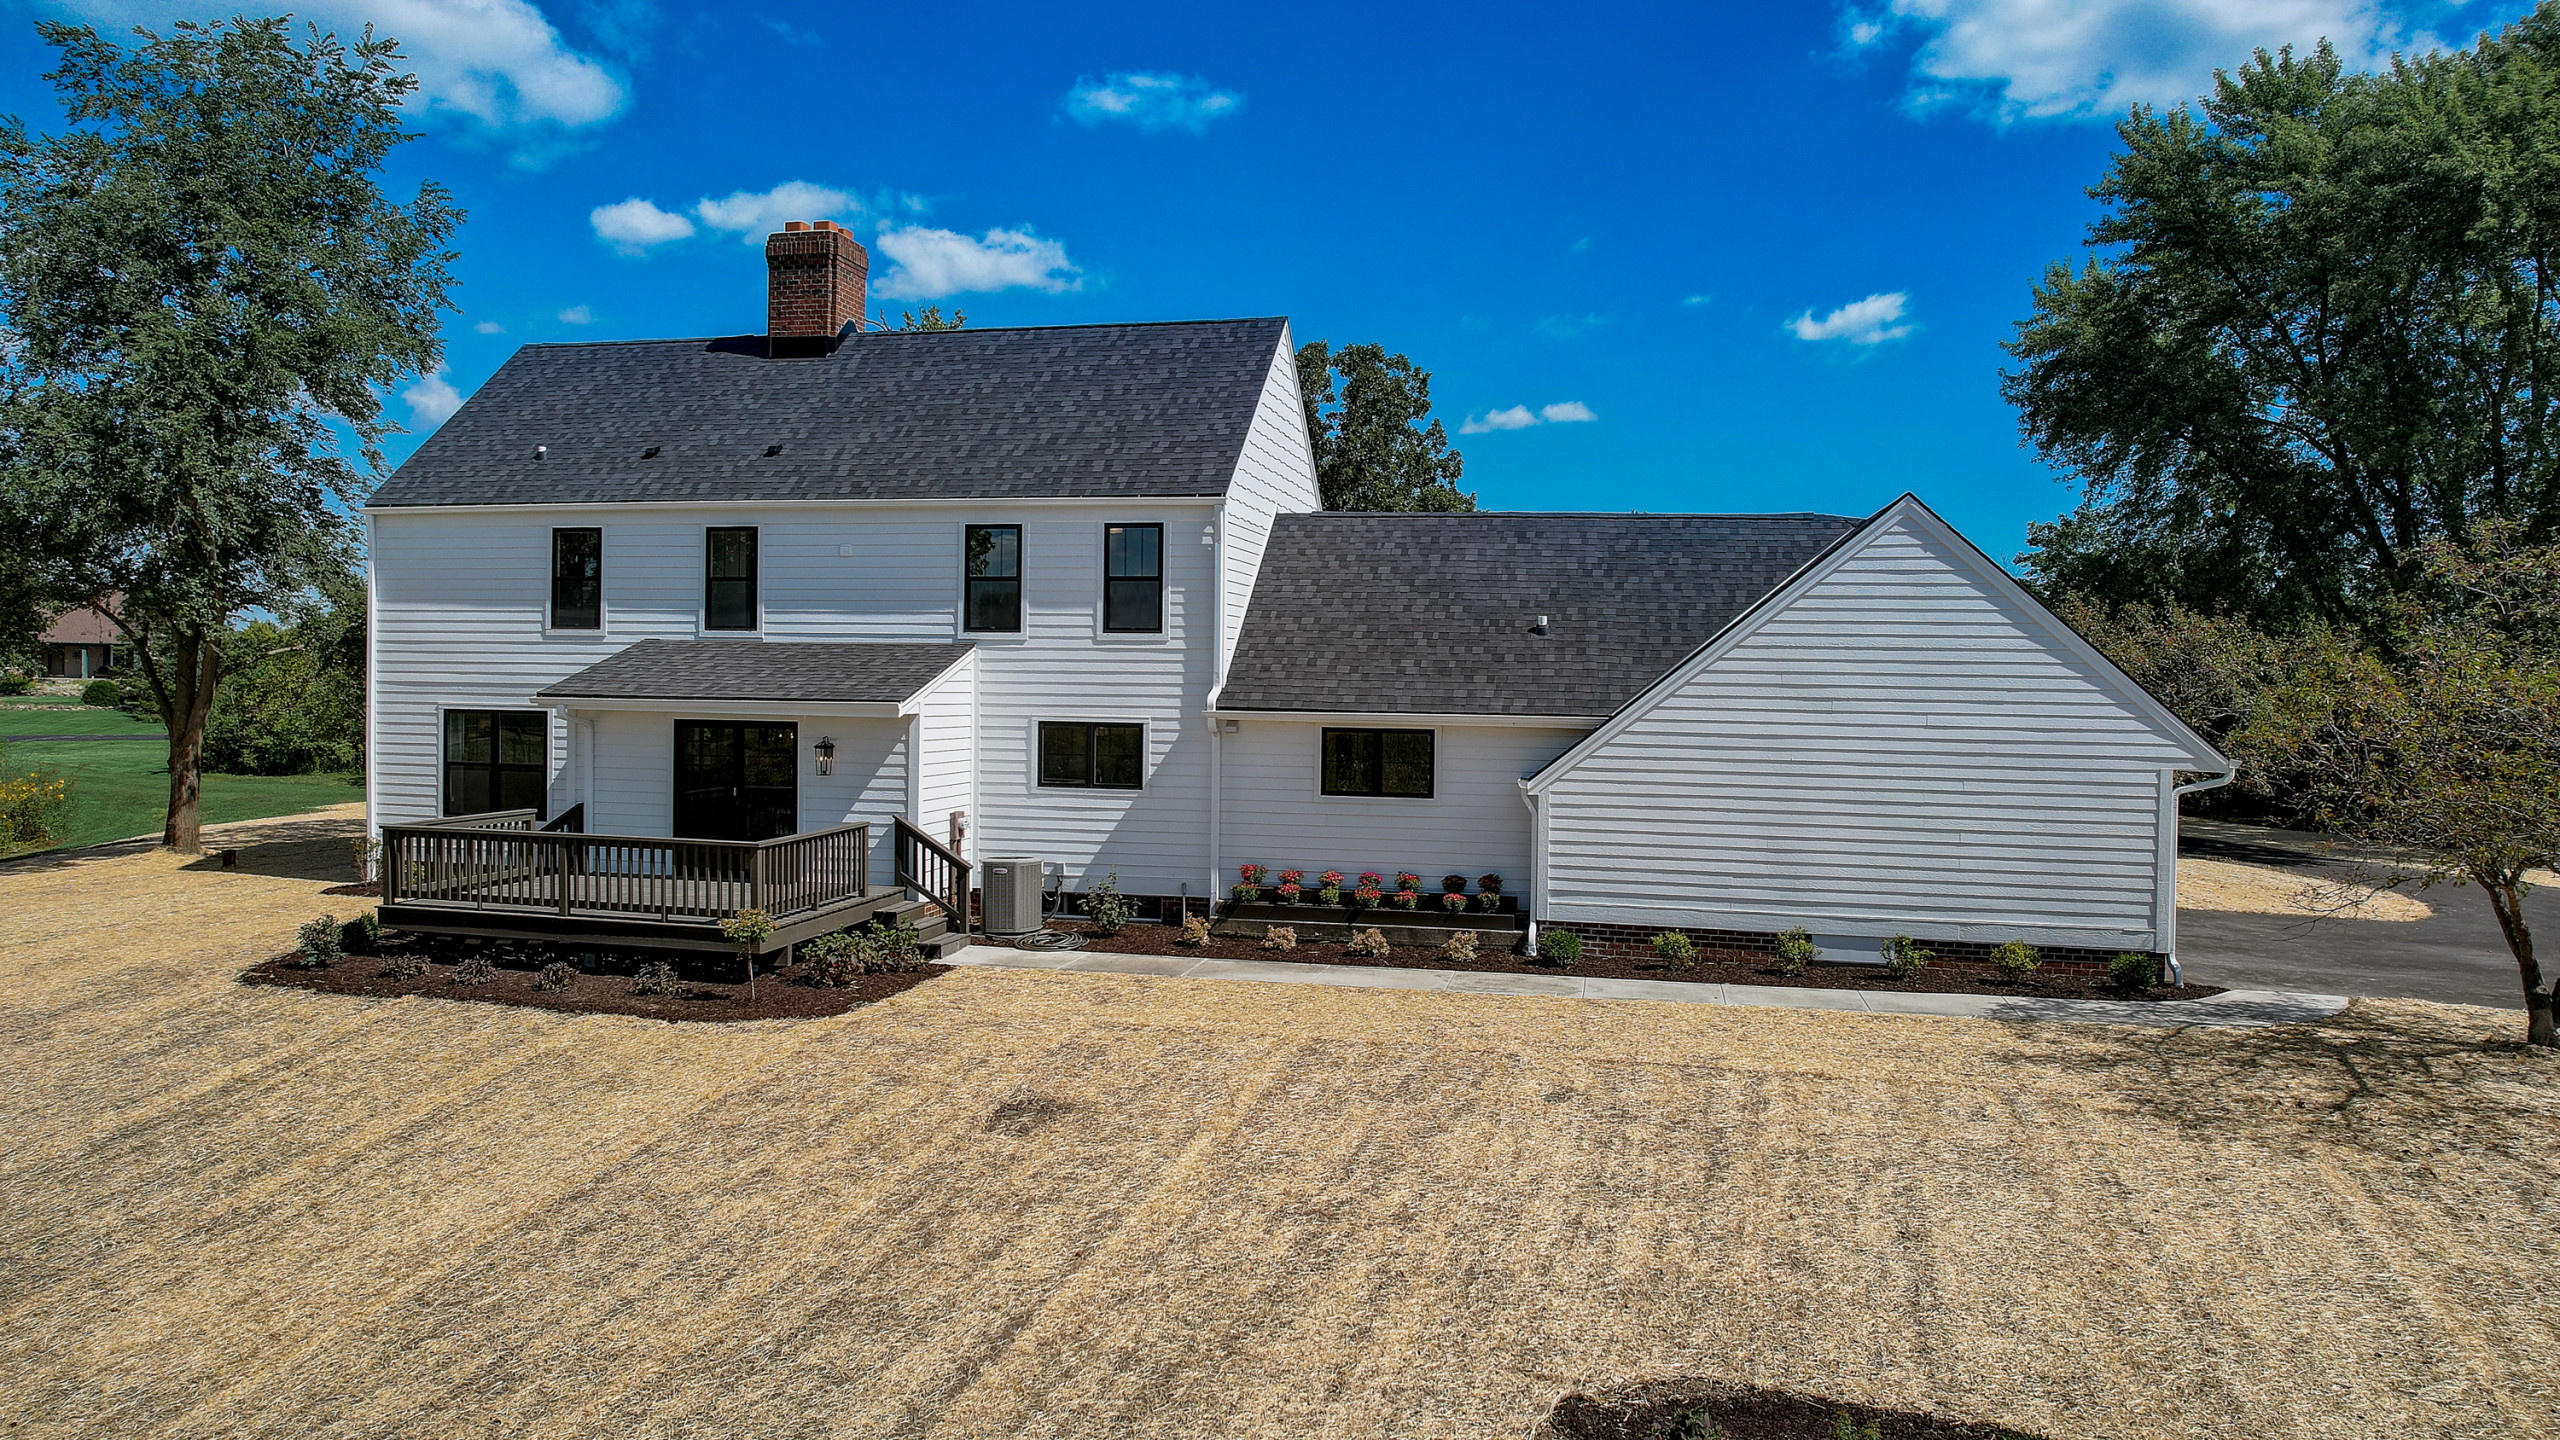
{"type": "Point", "coordinates": [1067, 593]}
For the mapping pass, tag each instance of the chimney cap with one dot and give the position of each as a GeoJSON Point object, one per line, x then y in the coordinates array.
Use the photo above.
{"type": "Point", "coordinates": [824, 225]}
{"type": "Point", "coordinates": [795, 224]}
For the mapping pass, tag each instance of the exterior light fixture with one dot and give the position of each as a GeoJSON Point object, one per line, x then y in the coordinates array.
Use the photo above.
{"type": "Point", "coordinates": [826, 755]}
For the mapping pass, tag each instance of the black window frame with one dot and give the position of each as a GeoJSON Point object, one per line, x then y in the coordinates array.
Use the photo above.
{"type": "Point", "coordinates": [710, 580]}
{"type": "Point", "coordinates": [1116, 585]}
{"type": "Point", "coordinates": [497, 767]}
{"type": "Point", "coordinates": [593, 583]}
{"type": "Point", "coordinates": [1376, 763]}
{"type": "Point", "coordinates": [973, 584]}
{"type": "Point", "coordinates": [1092, 755]}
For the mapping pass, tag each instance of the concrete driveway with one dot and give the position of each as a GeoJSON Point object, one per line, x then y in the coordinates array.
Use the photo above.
{"type": "Point", "coordinates": [2455, 956]}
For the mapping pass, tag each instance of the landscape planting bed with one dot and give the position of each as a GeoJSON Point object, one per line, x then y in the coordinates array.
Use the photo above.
{"type": "Point", "coordinates": [1711, 969]}
{"type": "Point", "coordinates": [714, 988]}
{"type": "Point", "coordinates": [1694, 1410]}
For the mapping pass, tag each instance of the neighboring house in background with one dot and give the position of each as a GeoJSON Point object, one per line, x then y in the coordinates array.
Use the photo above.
{"type": "Point", "coordinates": [82, 643]}
{"type": "Point", "coordinates": [1063, 593]}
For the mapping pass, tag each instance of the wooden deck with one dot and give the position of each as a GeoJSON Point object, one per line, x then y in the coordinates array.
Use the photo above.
{"type": "Point", "coordinates": [496, 875]}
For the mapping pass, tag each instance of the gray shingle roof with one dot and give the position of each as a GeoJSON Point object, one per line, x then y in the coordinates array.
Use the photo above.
{"type": "Point", "coordinates": [760, 670]}
{"type": "Point", "coordinates": [1076, 410]}
{"type": "Point", "coordinates": [1432, 614]}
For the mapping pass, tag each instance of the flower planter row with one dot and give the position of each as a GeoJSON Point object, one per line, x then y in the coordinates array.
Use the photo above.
{"type": "Point", "coordinates": [1429, 916]}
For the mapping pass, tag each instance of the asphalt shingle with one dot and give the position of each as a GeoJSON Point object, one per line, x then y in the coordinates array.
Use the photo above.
{"type": "Point", "coordinates": [761, 670]}
{"type": "Point", "coordinates": [1434, 614]}
{"type": "Point", "coordinates": [1076, 410]}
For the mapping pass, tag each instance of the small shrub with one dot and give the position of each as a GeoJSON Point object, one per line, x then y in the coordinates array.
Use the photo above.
{"type": "Point", "coordinates": [1244, 894]}
{"type": "Point", "coordinates": [557, 976]}
{"type": "Point", "coordinates": [657, 977]}
{"type": "Point", "coordinates": [476, 969]}
{"type": "Point", "coordinates": [1279, 937]}
{"type": "Point", "coordinates": [34, 807]}
{"type": "Point", "coordinates": [319, 942]}
{"type": "Point", "coordinates": [1695, 1424]}
{"type": "Point", "coordinates": [896, 950]}
{"type": "Point", "coordinates": [1677, 948]}
{"type": "Point", "coordinates": [1903, 957]}
{"type": "Point", "coordinates": [1462, 945]}
{"type": "Point", "coordinates": [1330, 895]}
{"type": "Point", "coordinates": [1844, 1428]}
{"type": "Point", "coordinates": [1371, 943]}
{"type": "Point", "coordinates": [1488, 899]}
{"type": "Point", "coordinates": [2133, 970]}
{"type": "Point", "coordinates": [1489, 884]}
{"type": "Point", "coordinates": [403, 967]}
{"type": "Point", "coordinates": [1795, 951]}
{"type": "Point", "coordinates": [14, 681]}
{"type": "Point", "coordinates": [1559, 947]}
{"type": "Point", "coordinates": [1105, 906]}
{"type": "Point", "coordinates": [106, 694]}
{"type": "Point", "coordinates": [362, 935]}
{"type": "Point", "coordinates": [1195, 931]}
{"type": "Point", "coordinates": [368, 852]}
{"type": "Point", "coordinates": [1453, 902]}
{"type": "Point", "coordinates": [832, 961]}
{"type": "Point", "coordinates": [2015, 958]}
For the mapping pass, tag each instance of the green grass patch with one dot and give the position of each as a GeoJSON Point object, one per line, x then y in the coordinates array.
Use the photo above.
{"type": "Point", "coordinates": [121, 788]}
{"type": "Point", "coordinates": [71, 719]}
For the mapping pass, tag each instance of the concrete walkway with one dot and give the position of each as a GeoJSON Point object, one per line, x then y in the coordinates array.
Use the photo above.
{"type": "Point", "coordinates": [2232, 1008]}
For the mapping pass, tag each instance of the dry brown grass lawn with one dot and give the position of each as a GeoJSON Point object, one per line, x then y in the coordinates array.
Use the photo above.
{"type": "Point", "coordinates": [1044, 1204]}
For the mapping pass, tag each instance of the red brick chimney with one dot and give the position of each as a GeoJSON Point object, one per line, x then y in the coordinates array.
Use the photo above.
{"type": "Point", "coordinates": [815, 278]}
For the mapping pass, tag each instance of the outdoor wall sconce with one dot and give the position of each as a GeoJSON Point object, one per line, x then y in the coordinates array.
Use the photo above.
{"type": "Point", "coordinates": [826, 755]}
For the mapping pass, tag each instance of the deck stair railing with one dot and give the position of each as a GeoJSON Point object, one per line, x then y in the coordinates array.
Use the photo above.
{"type": "Point", "coordinates": [932, 871]}
{"type": "Point", "coordinates": [499, 862]}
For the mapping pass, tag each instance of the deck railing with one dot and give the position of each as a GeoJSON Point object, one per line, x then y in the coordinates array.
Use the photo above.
{"type": "Point", "coordinates": [500, 863]}
{"type": "Point", "coordinates": [930, 870]}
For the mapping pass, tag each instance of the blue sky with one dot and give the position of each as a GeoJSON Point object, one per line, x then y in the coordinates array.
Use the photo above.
{"type": "Point", "coordinates": [1657, 258]}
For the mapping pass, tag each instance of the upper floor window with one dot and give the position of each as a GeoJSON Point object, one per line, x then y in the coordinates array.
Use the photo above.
{"type": "Point", "coordinates": [994, 601]}
{"type": "Point", "coordinates": [577, 579]}
{"type": "Point", "coordinates": [495, 760]}
{"type": "Point", "coordinates": [1133, 578]}
{"type": "Point", "coordinates": [1378, 762]}
{"type": "Point", "coordinates": [1093, 757]}
{"type": "Point", "coordinates": [729, 578]}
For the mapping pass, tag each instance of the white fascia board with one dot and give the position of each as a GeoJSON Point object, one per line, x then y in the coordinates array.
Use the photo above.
{"type": "Point", "coordinates": [2126, 687]}
{"type": "Point", "coordinates": [1017, 502]}
{"type": "Point", "coordinates": [1394, 720]}
{"type": "Point", "coordinates": [855, 710]}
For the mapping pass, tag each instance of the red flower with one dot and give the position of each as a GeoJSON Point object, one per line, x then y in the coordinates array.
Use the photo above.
{"type": "Point", "coordinates": [1331, 878]}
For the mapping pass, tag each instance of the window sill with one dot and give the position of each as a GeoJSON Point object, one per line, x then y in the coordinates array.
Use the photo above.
{"type": "Point", "coordinates": [550, 633]}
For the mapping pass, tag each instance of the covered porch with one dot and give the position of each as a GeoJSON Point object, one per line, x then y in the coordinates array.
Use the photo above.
{"type": "Point", "coordinates": [702, 778]}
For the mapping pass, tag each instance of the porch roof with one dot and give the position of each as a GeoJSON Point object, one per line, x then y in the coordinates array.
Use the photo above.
{"type": "Point", "coordinates": [862, 673]}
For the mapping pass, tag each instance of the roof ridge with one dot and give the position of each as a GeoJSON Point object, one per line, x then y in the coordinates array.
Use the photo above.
{"type": "Point", "coordinates": [884, 334]}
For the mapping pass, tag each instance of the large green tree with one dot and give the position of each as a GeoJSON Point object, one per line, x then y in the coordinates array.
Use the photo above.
{"type": "Point", "coordinates": [1366, 414]}
{"type": "Point", "coordinates": [2318, 329]}
{"type": "Point", "coordinates": [207, 292]}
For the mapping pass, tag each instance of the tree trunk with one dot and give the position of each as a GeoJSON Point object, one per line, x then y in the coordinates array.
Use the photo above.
{"type": "Point", "coordinates": [2506, 897]}
{"type": "Point", "coordinates": [194, 668]}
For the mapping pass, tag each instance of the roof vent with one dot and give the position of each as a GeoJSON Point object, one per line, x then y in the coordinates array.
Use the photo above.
{"type": "Point", "coordinates": [541, 450]}
{"type": "Point", "coordinates": [1540, 628]}
{"type": "Point", "coordinates": [649, 454]}
{"type": "Point", "coordinates": [773, 450]}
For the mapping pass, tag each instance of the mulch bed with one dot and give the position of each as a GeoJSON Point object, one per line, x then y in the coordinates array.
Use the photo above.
{"type": "Point", "coordinates": [1698, 1410]}
{"type": "Point", "coordinates": [713, 987]}
{"type": "Point", "coordinates": [1710, 969]}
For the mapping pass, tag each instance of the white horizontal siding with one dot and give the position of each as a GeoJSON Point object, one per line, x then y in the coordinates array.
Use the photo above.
{"type": "Point", "coordinates": [947, 721]}
{"type": "Point", "coordinates": [460, 600]}
{"type": "Point", "coordinates": [1276, 475]}
{"type": "Point", "coordinates": [1903, 748]}
{"type": "Point", "coordinates": [1272, 812]}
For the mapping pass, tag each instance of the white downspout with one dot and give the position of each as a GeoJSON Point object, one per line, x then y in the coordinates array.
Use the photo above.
{"type": "Point", "coordinates": [1536, 897]}
{"type": "Point", "coordinates": [2168, 916]}
{"type": "Point", "coordinates": [1217, 687]}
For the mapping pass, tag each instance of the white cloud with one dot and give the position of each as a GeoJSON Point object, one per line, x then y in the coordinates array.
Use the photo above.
{"type": "Point", "coordinates": [754, 214]}
{"type": "Point", "coordinates": [1871, 321]}
{"type": "Point", "coordinates": [929, 263]}
{"type": "Point", "coordinates": [496, 62]}
{"type": "Point", "coordinates": [432, 400]}
{"type": "Point", "coordinates": [1694, 299]}
{"type": "Point", "coordinates": [578, 315]}
{"type": "Point", "coordinates": [1151, 101]}
{"type": "Point", "coordinates": [2028, 59]}
{"type": "Point", "coordinates": [1521, 417]}
{"type": "Point", "coordinates": [490, 327]}
{"type": "Point", "coordinates": [632, 226]}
